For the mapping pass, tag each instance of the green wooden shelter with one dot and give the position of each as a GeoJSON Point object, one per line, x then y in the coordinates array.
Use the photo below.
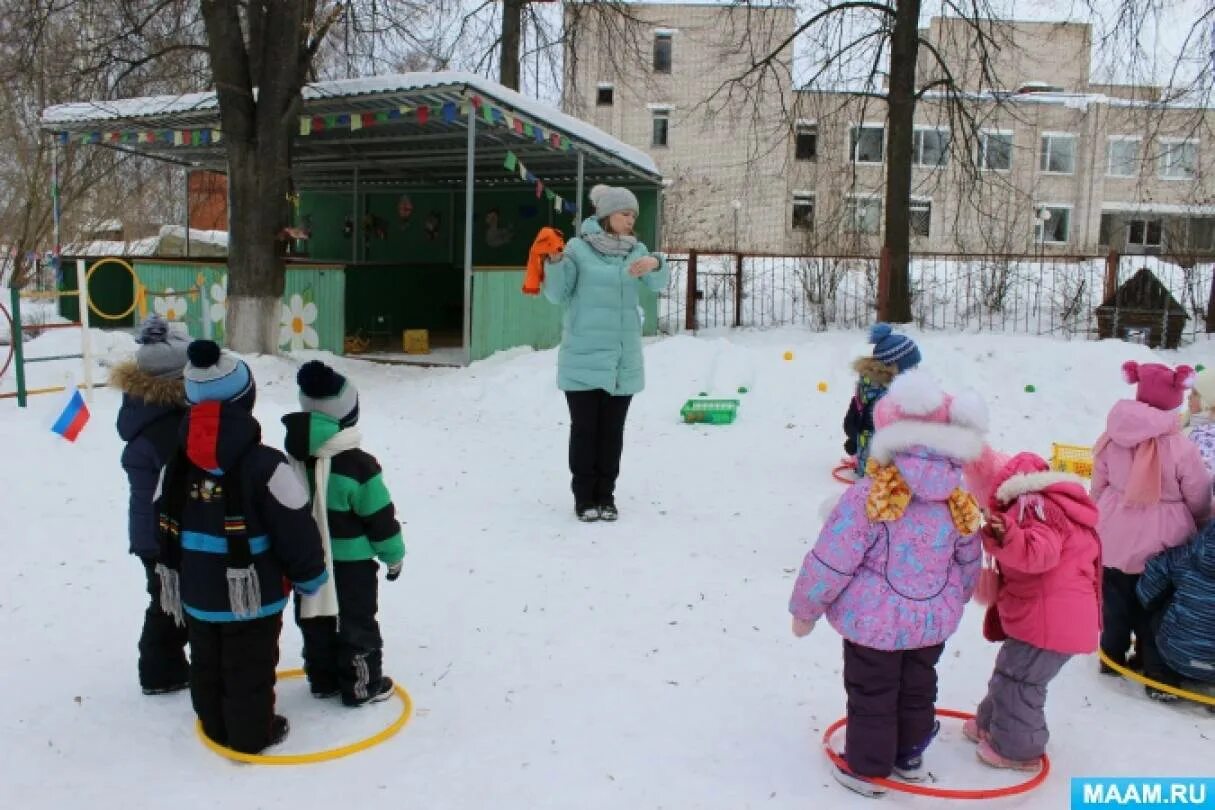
{"type": "Point", "coordinates": [416, 199]}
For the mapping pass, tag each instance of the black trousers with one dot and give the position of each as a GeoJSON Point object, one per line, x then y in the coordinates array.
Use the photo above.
{"type": "Point", "coordinates": [345, 652]}
{"type": "Point", "coordinates": [891, 704]}
{"type": "Point", "coordinates": [232, 679]}
{"type": "Point", "coordinates": [596, 442]}
{"type": "Point", "coordinates": [162, 642]}
{"type": "Point", "coordinates": [1121, 615]}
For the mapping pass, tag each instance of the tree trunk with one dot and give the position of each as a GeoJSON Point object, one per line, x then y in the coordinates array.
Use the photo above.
{"type": "Point", "coordinates": [512, 27]}
{"type": "Point", "coordinates": [894, 284]}
{"type": "Point", "coordinates": [257, 183]}
{"type": "Point", "coordinates": [269, 53]}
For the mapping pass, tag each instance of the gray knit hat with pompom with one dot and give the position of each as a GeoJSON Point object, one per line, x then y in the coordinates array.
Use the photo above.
{"type": "Point", "coordinates": [609, 200]}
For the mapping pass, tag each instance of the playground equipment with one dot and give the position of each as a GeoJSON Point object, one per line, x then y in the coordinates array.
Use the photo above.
{"type": "Point", "coordinates": [1072, 458]}
{"type": "Point", "coordinates": [938, 792]}
{"type": "Point", "coordinates": [315, 756]}
{"type": "Point", "coordinates": [709, 411]}
{"type": "Point", "coordinates": [18, 329]}
{"type": "Point", "coordinates": [16, 355]}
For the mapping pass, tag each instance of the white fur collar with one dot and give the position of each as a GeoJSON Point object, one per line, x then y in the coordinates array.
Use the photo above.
{"type": "Point", "coordinates": [954, 441]}
{"type": "Point", "coordinates": [1024, 483]}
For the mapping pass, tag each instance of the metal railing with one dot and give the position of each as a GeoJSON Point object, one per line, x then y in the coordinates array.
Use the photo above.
{"type": "Point", "coordinates": [1026, 294]}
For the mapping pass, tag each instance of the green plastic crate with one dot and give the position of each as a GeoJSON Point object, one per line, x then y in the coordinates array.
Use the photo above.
{"type": "Point", "coordinates": [709, 411]}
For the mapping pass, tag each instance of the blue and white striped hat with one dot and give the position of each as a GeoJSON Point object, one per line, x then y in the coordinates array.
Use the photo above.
{"type": "Point", "coordinates": [215, 375]}
{"type": "Point", "coordinates": [892, 348]}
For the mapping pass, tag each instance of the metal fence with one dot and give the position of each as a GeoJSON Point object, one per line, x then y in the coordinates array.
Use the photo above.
{"type": "Point", "coordinates": [1037, 295]}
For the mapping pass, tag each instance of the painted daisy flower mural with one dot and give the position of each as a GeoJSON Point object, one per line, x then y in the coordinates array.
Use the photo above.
{"type": "Point", "coordinates": [169, 306]}
{"type": "Point", "coordinates": [296, 330]}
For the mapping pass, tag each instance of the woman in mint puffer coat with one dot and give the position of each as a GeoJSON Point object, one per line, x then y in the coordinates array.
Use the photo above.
{"type": "Point", "coordinates": [600, 367]}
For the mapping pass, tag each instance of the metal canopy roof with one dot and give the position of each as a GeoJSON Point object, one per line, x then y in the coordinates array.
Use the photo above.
{"type": "Point", "coordinates": [397, 152]}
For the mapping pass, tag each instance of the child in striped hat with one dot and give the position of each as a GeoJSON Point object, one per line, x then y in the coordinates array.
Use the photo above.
{"type": "Point", "coordinates": [343, 649]}
{"type": "Point", "coordinates": [892, 355]}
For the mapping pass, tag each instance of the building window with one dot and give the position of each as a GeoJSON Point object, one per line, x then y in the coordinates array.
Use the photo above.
{"type": "Point", "coordinates": [1178, 159]}
{"type": "Point", "coordinates": [1105, 230]}
{"type": "Point", "coordinates": [921, 217]}
{"type": "Point", "coordinates": [868, 143]}
{"type": "Point", "coordinates": [1201, 233]}
{"type": "Point", "coordinates": [605, 96]}
{"type": "Point", "coordinates": [1053, 224]}
{"type": "Point", "coordinates": [661, 127]}
{"type": "Point", "coordinates": [1143, 232]}
{"type": "Point", "coordinates": [803, 212]}
{"type": "Point", "coordinates": [1123, 157]}
{"type": "Point", "coordinates": [662, 53]}
{"type": "Point", "coordinates": [930, 147]}
{"type": "Point", "coordinates": [1058, 154]}
{"type": "Point", "coordinates": [995, 151]}
{"type": "Point", "coordinates": [806, 142]}
{"type": "Point", "coordinates": [863, 215]}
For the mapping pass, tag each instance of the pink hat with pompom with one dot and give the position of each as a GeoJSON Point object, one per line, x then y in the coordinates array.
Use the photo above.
{"type": "Point", "coordinates": [1158, 385]}
{"type": "Point", "coordinates": [916, 412]}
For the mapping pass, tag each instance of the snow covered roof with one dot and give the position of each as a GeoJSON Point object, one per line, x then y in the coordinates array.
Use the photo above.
{"type": "Point", "coordinates": [198, 110]}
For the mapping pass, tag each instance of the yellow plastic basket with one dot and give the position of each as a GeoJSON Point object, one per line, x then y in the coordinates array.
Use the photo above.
{"type": "Point", "coordinates": [1072, 458]}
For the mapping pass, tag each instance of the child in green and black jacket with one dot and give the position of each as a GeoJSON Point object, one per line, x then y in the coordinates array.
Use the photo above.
{"type": "Point", "coordinates": [343, 649]}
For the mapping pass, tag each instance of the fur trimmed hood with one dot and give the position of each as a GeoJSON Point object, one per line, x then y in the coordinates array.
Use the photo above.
{"type": "Point", "coordinates": [128, 378]}
{"type": "Point", "coordinates": [1027, 475]}
{"type": "Point", "coordinates": [875, 370]}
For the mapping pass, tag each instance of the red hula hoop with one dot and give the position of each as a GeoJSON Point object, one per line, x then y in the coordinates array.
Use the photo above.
{"type": "Point", "coordinates": [940, 793]}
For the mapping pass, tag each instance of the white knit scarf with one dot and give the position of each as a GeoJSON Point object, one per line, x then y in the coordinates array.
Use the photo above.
{"type": "Point", "coordinates": [324, 602]}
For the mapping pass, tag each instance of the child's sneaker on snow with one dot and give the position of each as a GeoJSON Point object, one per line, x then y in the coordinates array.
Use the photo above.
{"type": "Point", "coordinates": [322, 693]}
{"type": "Point", "coordinates": [375, 694]}
{"type": "Point", "coordinates": [1159, 695]}
{"type": "Point", "coordinates": [278, 730]}
{"type": "Point", "coordinates": [909, 766]}
{"type": "Point", "coordinates": [972, 732]}
{"type": "Point", "coordinates": [587, 513]}
{"type": "Point", "coordinates": [166, 690]}
{"type": "Point", "coordinates": [607, 511]}
{"type": "Point", "coordinates": [992, 757]}
{"type": "Point", "coordinates": [858, 785]}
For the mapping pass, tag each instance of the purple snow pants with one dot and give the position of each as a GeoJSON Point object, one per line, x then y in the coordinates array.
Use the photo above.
{"type": "Point", "coordinates": [891, 704]}
{"type": "Point", "coordinates": [1014, 711]}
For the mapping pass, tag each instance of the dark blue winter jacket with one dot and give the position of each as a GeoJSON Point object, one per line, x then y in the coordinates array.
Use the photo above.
{"type": "Point", "coordinates": [1183, 580]}
{"type": "Point", "coordinates": [233, 489]}
{"type": "Point", "coordinates": [148, 421]}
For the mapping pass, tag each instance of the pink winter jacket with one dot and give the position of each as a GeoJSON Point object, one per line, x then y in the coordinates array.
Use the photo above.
{"type": "Point", "coordinates": [1050, 559]}
{"type": "Point", "coordinates": [1131, 533]}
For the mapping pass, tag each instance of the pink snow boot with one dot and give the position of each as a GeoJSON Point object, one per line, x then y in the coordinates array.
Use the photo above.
{"type": "Point", "coordinates": [972, 732]}
{"type": "Point", "coordinates": [992, 757]}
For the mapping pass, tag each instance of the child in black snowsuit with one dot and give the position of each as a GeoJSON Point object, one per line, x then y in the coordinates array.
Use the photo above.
{"type": "Point", "coordinates": [892, 355]}
{"type": "Point", "coordinates": [153, 404]}
{"type": "Point", "coordinates": [234, 528]}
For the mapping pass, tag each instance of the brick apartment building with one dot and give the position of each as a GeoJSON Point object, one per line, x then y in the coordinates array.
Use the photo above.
{"type": "Point", "coordinates": [1049, 162]}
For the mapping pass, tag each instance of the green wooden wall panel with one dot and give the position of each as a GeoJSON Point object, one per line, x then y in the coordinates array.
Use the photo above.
{"type": "Point", "coordinates": [313, 316]}
{"type": "Point", "coordinates": [503, 317]}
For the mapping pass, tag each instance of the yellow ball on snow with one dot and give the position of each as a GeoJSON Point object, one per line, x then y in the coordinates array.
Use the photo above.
{"type": "Point", "coordinates": [788, 355]}
{"type": "Point", "coordinates": [822, 386]}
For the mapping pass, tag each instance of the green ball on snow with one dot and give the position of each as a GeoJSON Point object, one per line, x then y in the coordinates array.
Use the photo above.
{"type": "Point", "coordinates": [1029, 389]}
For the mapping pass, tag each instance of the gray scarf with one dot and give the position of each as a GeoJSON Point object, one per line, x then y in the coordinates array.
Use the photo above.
{"type": "Point", "coordinates": [609, 244]}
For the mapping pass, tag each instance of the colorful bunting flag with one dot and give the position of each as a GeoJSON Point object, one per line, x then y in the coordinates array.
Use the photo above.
{"type": "Point", "coordinates": [449, 112]}
{"type": "Point", "coordinates": [511, 161]}
{"type": "Point", "coordinates": [423, 114]}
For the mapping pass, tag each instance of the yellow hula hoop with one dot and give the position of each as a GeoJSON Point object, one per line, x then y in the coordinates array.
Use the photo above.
{"type": "Point", "coordinates": [315, 756]}
{"type": "Point", "coordinates": [1163, 687]}
{"type": "Point", "coordinates": [134, 279]}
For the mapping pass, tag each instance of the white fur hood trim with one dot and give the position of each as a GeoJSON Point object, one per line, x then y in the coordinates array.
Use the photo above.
{"type": "Point", "coordinates": [1025, 483]}
{"type": "Point", "coordinates": [954, 441]}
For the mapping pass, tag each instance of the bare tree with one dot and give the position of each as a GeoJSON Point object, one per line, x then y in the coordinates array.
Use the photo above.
{"type": "Point", "coordinates": [261, 53]}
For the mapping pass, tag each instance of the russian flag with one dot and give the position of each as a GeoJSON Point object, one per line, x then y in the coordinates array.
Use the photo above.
{"type": "Point", "coordinates": [73, 418]}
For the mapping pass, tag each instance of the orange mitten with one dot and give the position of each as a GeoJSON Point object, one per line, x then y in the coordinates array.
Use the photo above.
{"type": "Point", "coordinates": [548, 241]}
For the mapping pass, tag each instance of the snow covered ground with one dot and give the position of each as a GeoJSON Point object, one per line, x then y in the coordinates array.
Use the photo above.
{"type": "Point", "coordinates": [646, 664]}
